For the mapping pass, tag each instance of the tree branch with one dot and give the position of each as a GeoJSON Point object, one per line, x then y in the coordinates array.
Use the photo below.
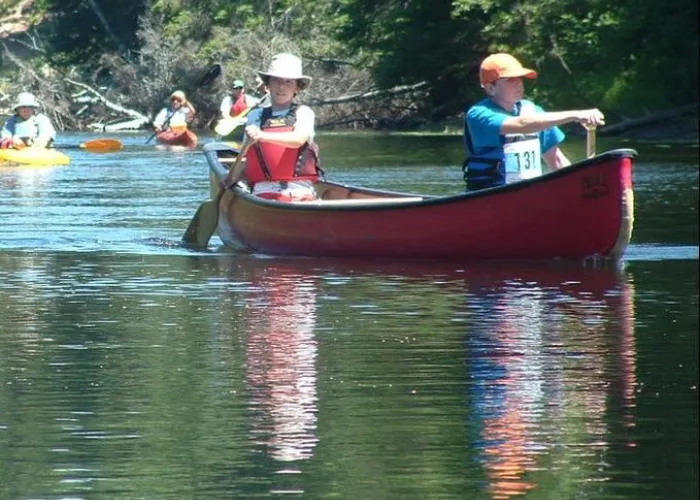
{"type": "Point", "coordinates": [139, 118]}
{"type": "Point", "coordinates": [401, 89]}
{"type": "Point", "coordinates": [661, 116]}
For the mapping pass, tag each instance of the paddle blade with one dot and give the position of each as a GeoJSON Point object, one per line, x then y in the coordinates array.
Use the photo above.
{"type": "Point", "coordinates": [211, 75]}
{"type": "Point", "coordinates": [203, 224]}
{"type": "Point", "coordinates": [226, 126]}
{"type": "Point", "coordinates": [102, 145]}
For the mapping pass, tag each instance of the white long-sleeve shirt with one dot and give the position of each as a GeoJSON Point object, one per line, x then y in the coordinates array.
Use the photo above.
{"type": "Point", "coordinates": [180, 117]}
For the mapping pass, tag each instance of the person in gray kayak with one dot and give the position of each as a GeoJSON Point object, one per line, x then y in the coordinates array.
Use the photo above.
{"type": "Point", "coordinates": [27, 127]}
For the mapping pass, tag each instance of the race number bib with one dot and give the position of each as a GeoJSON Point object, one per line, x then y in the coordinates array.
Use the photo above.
{"type": "Point", "coordinates": [522, 160]}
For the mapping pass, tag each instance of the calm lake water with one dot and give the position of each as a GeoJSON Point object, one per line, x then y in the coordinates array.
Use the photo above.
{"type": "Point", "coordinates": [131, 367]}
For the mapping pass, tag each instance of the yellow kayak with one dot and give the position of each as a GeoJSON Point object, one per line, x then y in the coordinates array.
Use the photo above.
{"type": "Point", "coordinates": [33, 156]}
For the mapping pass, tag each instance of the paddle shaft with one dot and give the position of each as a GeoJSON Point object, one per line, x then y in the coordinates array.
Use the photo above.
{"type": "Point", "coordinates": [590, 141]}
{"type": "Point", "coordinates": [236, 170]}
{"type": "Point", "coordinates": [203, 224]}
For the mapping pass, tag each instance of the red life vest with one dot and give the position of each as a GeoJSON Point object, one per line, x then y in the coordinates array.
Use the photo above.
{"type": "Point", "coordinates": [272, 162]}
{"type": "Point", "coordinates": [239, 106]}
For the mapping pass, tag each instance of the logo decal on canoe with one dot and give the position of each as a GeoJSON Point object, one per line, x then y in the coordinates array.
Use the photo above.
{"type": "Point", "coordinates": [595, 186]}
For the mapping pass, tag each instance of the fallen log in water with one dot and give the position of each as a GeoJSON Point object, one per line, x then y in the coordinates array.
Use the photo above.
{"type": "Point", "coordinates": [137, 120]}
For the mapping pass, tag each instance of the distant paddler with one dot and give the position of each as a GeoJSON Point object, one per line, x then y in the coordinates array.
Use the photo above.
{"type": "Point", "coordinates": [27, 127]}
{"type": "Point", "coordinates": [234, 109]}
{"type": "Point", "coordinates": [237, 102]}
{"type": "Point", "coordinates": [171, 123]}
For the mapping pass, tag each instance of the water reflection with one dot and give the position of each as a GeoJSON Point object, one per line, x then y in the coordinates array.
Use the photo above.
{"type": "Point", "coordinates": [548, 360]}
{"type": "Point", "coordinates": [28, 185]}
{"type": "Point", "coordinates": [280, 367]}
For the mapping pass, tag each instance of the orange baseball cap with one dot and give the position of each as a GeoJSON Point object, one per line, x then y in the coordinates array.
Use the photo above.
{"type": "Point", "coordinates": [498, 66]}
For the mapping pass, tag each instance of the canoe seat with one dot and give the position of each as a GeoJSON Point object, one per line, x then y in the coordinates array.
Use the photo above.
{"type": "Point", "coordinates": [353, 202]}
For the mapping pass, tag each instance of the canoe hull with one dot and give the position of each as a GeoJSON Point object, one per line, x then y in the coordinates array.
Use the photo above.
{"type": "Point", "coordinates": [33, 156]}
{"type": "Point", "coordinates": [178, 137]}
{"type": "Point", "coordinates": [582, 211]}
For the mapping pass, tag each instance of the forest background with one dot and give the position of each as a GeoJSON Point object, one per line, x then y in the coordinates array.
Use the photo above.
{"type": "Point", "coordinates": [379, 64]}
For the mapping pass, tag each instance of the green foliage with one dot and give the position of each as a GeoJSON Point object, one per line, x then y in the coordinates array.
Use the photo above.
{"type": "Point", "coordinates": [409, 42]}
{"type": "Point", "coordinates": [599, 53]}
{"type": "Point", "coordinates": [75, 34]}
{"type": "Point", "coordinates": [626, 56]}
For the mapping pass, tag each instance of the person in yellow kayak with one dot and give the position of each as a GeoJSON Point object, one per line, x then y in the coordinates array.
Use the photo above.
{"type": "Point", "coordinates": [178, 114]}
{"type": "Point", "coordinates": [27, 127]}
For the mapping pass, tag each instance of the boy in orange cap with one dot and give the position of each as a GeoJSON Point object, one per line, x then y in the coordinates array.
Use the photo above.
{"type": "Point", "coordinates": [507, 136]}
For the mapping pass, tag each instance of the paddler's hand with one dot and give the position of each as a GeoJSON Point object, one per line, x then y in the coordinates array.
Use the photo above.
{"type": "Point", "coordinates": [254, 133]}
{"type": "Point", "coordinates": [189, 109]}
{"type": "Point", "coordinates": [228, 182]}
{"type": "Point", "coordinates": [591, 118]}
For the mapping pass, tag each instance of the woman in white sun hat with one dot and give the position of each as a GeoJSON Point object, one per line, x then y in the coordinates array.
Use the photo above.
{"type": "Point", "coordinates": [282, 164]}
{"type": "Point", "coordinates": [27, 127]}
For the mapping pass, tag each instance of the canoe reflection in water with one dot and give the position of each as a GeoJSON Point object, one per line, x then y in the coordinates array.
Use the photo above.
{"type": "Point", "coordinates": [545, 367]}
{"type": "Point", "coordinates": [546, 370]}
{"type": "Point", "coordinates": [280, 365]}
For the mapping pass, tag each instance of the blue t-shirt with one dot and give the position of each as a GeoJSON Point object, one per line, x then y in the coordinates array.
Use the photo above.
{"type": "Point", "coordinates": [484, 120]}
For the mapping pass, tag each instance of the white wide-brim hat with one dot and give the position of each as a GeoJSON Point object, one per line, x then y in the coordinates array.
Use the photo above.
{"type": "Point", "coordinates": [287, 66]}
{"type": "Point", "coordinates": [26, 100]}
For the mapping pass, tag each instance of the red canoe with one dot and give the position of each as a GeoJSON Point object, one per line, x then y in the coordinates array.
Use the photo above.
{"type": "Point", "coordinates": [177, 137]}
{"type": "Point", "coordinates": [585, 210]}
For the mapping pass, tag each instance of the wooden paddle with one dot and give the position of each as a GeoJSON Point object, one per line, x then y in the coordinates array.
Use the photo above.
{"type": "Point", "coordinates": [102, 145]}
{"type": "Point", "coordinates": [590, 140]}
{"type": "Point", "coordinates": [203, 224]}
{"type": "Point", "coordinates": [211, 75]}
